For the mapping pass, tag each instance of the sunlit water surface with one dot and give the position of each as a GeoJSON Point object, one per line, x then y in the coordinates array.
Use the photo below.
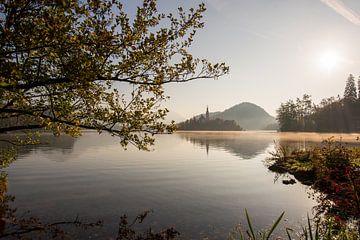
{"type": "Point", "coordinates": [198, 182]}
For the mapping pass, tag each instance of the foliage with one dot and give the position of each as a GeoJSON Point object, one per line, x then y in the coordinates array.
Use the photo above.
{"type": "Point", "coordinates": [327, 230]}
{"type": "Point", "coordinates": [350, 89]}
{"type": "Point", "coordinates": [358, 88]}
{"type": "Point", "coordinates": [337, 116]}
{"type": "Point", "coordinates": [331, 115]}
{"type": "Point", "coordinates": [332, 170]}
{"type": "Point", "coordinates": [250, 234]}
{"type": "Point", "coordinates": [126, 230]}
{"type": "Point", "coordinates": [65, 66]}
{"type": "Point", "coordinates": [295, 116]}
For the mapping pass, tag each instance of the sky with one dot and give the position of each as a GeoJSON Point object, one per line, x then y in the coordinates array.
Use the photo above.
{"type": "Point", "coordinates": [276, 49]}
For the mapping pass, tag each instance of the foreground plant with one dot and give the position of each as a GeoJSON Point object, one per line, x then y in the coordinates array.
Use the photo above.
{"type": "Point", "coordinates": [127, 232]}
{"type": "Point", "coordinates": [33, 228]}
{"type": "Point", "coordinates": [239, 234]}
{"type": "Point", "coordinates": [326, 230]}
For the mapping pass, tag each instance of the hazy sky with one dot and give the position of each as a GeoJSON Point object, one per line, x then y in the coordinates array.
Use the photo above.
{"type": "Point", "coordinates": [276, 49]}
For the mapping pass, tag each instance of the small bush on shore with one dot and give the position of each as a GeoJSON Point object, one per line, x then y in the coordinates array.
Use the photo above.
{"type": "Point", "coordinates": [332, 170]}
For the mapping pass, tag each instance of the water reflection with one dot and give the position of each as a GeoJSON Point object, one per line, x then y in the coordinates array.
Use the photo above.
{"type": "Point", "coordinates": [199, 194]}
{"type": "Point", "coordinates": [48, 142]}
{"type": "Point", "coordinates": [250, 144]}
{"type": "Point", "coordinates": [245, 146]}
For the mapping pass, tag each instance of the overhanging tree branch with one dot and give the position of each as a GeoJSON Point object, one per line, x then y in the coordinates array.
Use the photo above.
{"type": "Point", "coordinates": [61, 74]}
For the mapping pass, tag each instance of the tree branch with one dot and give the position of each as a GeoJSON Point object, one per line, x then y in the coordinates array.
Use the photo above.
{"type": "Point", "coordinates": [57, 120]}
{"type": "Point", "coordinates": [130, 80]}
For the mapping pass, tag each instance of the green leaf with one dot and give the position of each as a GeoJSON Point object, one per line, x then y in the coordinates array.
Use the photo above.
{"type": "Point", "coordinates": [275, 225]}
{"type": "Point", "coordinates": [250, 225]}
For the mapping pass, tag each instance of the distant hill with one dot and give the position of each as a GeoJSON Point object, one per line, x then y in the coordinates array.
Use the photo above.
{"type": "Point", "coordinates": [172, 115]}
{"type": "Point", "coordinates": [249, 116]}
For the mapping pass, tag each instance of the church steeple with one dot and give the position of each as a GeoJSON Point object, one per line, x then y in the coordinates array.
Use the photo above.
{"type": "Point", "coordinates": [207, 115]}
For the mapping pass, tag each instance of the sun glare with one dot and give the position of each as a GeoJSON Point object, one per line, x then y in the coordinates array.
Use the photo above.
{"type": "Point", "coordinates": [329, 60]}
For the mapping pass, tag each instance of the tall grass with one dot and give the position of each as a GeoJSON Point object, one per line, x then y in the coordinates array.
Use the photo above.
{"type": "Point", "coordinates": [239, 234]}
{"type": "Point", "coordinates": [314, 230]}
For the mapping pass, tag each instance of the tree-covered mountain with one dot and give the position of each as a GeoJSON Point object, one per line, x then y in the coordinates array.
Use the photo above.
{"type": "Point", "coordinates": [248, 115]}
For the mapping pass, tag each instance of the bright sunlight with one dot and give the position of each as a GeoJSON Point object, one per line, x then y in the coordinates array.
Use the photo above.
{"type": "Point", "coordinates": [329, 60]}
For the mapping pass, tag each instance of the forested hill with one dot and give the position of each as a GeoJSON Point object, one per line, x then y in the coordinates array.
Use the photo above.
{"type": "Point", "coordinates": [248, 115]}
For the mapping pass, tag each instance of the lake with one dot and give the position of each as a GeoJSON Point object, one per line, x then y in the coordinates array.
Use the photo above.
{"type": "Point", "coordinates": [198, 182]}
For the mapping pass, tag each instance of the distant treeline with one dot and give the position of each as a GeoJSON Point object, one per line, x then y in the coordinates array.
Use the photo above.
{"type": "Point", "coordinates": [331, 115]}
{"type": "Point", "coordinates": [205, 124]}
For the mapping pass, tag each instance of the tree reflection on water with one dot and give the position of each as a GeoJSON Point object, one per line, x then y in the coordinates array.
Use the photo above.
{"type": "Point", "coordinates": [242, 145]}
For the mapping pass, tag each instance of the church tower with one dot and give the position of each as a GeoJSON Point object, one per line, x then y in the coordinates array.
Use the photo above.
{"type": "Point", "coordinates": [207, 115]}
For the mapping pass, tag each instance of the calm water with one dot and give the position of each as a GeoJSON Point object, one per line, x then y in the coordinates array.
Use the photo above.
{"type": "Point", "coordinates": [199, 183]}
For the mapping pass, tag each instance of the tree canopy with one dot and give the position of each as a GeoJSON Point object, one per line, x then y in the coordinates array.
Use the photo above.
{"type": "Point", "coordinates": [350, 93]}
{"type": "Point", "coordinates": [331, 115]}
{"type": "Point", "coordinates": [359, 88]}
{"type": "Point", "coordinates": [204, 124]}
{"type": "Point", "coordinates": [62, 64]}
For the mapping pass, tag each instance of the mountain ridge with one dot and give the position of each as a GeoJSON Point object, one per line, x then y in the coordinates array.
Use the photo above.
{"type": "Point", "coordinates": [248, 115]}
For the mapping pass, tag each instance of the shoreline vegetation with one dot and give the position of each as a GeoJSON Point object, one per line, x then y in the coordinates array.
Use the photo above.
{"type": "Point", "coordinates": [332, 170]}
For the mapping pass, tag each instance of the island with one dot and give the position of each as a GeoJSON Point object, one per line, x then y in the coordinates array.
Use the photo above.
{"type": "Point", "coordinates": [202, 123]}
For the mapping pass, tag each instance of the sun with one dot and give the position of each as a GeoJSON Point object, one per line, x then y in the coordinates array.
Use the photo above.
{"type": "Point", "coordinates": [329, 60]}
